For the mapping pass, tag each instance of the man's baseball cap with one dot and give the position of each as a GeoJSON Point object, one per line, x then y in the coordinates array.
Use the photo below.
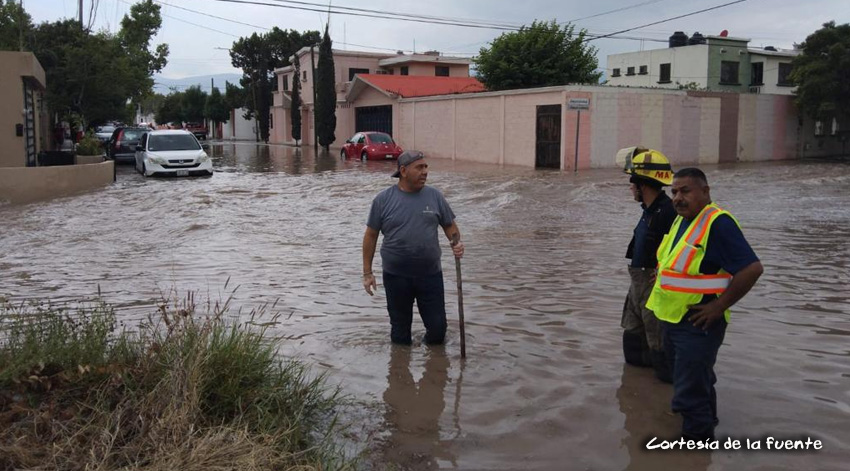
{"type": "Point", "coordinates": [406, 158]}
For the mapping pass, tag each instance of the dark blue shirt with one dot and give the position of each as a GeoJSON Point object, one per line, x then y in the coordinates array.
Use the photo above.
{"type": "Point", "coordinates": [727, 249]}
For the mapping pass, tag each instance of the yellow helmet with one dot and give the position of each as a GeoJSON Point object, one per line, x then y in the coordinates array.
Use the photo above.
{"type": "Point", "coordinates": [646, 163]}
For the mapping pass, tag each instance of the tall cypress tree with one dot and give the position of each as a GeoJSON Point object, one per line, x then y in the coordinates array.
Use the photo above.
{"type": "Point", "coordinates": [295, 111]}
{"type": "Point", "coordinates": [325, 93]}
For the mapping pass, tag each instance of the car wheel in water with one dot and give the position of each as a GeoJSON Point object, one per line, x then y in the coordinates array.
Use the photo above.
{"type": "Point", "coordinates": [364, 156]}
{"type": "Point", "coordinates": [342, 154]}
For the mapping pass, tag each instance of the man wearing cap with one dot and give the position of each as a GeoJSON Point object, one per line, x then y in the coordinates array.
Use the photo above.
{"type": "Point", "coordinates": [408, 215]}
{"type": "Point", "coordinates": [705, 266]}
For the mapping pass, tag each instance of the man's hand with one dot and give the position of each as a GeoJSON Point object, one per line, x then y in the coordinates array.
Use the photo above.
{"type": "Point", "coordinates": [705, 315]}
{"type": "Point", "coordinates": [457, 249]}
{"type": "Point", "coordinates": [457, 245]}
{"type": "Point", "coordinates": [369, 283]}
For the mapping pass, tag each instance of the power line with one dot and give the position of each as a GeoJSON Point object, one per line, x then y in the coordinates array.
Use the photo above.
{"type": "Point", "coordinates": [189, 22]}
{"type": "Point", "coordinates": [409, 15]}
{"type": "Point", "coordinates": [212, 16]}
{"type": "Point", "coordinates": [668, 19]}
{"type": "Point", "coordinates": [369, 15]}
{"type": "Point", "coordinates": [617, 10]}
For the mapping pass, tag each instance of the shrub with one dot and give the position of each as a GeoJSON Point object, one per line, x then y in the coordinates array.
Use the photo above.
{"type": "Point", "coordinates": [186, 390]}
{"type": "Point", "coordinates": [89, 145]}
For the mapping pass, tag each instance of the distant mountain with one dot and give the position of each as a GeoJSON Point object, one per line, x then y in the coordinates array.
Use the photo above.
{"type": "Point", "coordinates": [164, 85]}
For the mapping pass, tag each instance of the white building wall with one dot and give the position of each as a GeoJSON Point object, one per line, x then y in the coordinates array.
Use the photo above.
{"type": "Point", "coordinates": [238, 128]}
{"type": "Point", "coordinates": [771, 74]}
{"type": "Point", "coordinates": [688, 64]}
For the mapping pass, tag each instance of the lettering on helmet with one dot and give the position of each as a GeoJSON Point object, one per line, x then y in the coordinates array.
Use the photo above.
{"type": "Point", "coordinates": [662, 174]}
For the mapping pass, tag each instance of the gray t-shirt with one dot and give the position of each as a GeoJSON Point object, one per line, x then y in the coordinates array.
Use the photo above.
{"type": "Point", "coordinates": [409, 223]}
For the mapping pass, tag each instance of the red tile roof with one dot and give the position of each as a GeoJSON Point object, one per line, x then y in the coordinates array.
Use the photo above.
{"type": "Point", "coordinates": [408, 86]}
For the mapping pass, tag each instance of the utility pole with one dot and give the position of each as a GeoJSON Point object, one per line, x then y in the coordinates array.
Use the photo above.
{"type": "Point", "coordinates": [315, 122]}
{"type": "Point", "coordinates": [81, 14]}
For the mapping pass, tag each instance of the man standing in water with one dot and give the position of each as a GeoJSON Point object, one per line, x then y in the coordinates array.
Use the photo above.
{"type": "Point", "coordinates": [705, 266]}
{"type": "Point", "coordinates": [408, 215]}
{"type": "Point", "coordinates": [650, 171]}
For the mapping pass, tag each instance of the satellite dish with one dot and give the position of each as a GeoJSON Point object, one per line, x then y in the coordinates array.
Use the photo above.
{"type": "Point", "coordinates": [724, 33]}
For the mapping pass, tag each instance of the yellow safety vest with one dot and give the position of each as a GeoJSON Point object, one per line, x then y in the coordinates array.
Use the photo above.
{"type": "Point", "coordinates": [679, 283]}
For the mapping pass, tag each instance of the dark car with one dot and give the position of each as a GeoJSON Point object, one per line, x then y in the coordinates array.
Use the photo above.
{"type": "Point", "coordinates": [103, 133]}
{"type": "Point", "coordinates": [371, 146]}
{"type": "Point", "coordinates": [121, 146]}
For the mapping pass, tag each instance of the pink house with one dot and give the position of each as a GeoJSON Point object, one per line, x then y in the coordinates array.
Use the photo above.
{"type": "Point", "coordinates": [368, 86]}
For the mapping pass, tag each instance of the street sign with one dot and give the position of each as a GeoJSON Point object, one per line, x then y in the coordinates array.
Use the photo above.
{"type": "Point", "coordinates": [578, 104]}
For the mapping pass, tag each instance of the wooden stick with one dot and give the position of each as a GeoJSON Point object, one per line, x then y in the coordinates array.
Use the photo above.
{"type": "Point", "coordinates": [455, 240]}
{"type": "Point", "coordinates": [460, 310]}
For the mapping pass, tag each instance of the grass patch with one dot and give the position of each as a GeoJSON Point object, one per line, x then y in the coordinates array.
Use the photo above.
{"type": "Point", "coordinates": [186, 390]}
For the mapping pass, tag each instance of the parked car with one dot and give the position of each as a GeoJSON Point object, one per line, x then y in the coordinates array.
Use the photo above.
{"type": "Point", "coordinates": [371, 146]}
{"type": "Point", "coordinates": [172, 153]}
{"type": "Point", "coordinates": [104, 132]}
{"type": "Point", "coordinates": [121, 146]}
{"type": "Point", "coordinates": [198, 129]}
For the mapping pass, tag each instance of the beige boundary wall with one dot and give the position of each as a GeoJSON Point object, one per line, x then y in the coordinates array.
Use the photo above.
{"type": "Point", "coordinates": [689, 127]}
{"type": "Point", "coordinates": [28, 184]}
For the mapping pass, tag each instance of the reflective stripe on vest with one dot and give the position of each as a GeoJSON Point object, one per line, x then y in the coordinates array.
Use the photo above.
{"type": "Point", "coordinates": [695, 235]}
{"type": "Point", "coordinates": [700, 284]}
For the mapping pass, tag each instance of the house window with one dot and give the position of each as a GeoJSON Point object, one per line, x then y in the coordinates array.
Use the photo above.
{"type": "Point", "coordinates": [271, 121]}
{"type": "Point", "coordinates": [285, 83]}
{"type": "Point", "coordinates": [441, 71]}
{"type": "Point", "coordinates": [664, 73]}
{"type": "Point", "coordinates": [404, 70]}
{"type": "Point", "coordinates": [785, 75]}
{"type": "Point", "coordinates": [630, 71]}
{"type": "Point", "coordinates": [304, 76]}
{"type": "Point", "coordinates": [729, 73]}
{"type": "Point", "coordinates": [757, 73]}
{"type": "Point", "coordinates": [643, 70]}
{"type": "Point", "coordinates": [352, 72]}
{"type": "Point", "coordinates": [615, 73]}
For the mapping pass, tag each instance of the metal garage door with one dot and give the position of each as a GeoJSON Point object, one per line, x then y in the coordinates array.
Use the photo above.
{"type": "Point", "coordinates": [374, 118]}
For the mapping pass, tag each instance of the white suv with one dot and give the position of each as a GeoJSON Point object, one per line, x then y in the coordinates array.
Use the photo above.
{"type": "Point", "coordinates": [172, 153]}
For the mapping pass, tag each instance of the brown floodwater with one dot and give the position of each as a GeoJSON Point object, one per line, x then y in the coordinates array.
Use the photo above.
{"type": "Point", "coordinates": [544, 386]}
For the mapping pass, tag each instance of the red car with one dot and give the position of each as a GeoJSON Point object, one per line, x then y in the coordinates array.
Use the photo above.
{"type": "Point", "coordinates": [371, 146]}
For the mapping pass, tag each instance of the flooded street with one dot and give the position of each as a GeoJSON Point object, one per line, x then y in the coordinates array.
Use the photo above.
{"type": "Point", "coordinates": [544, 386]}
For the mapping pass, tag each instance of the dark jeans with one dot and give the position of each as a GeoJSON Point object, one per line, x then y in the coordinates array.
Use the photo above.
{"type": "Point", "coordinates": [692, 352]}
{"type": "Point", "coordinates": [428, 293]}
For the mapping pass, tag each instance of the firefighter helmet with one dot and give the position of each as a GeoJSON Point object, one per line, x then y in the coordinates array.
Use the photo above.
{"type": "Point", "coordinates": [646, 163]}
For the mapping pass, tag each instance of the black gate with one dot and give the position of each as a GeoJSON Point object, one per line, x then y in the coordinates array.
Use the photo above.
{"type": "Point", "coordinates": [29, 124]}
{"type": "Point", "coordinates": [374, 118]}
{"type": "Point", "coordinates": [548, 153]}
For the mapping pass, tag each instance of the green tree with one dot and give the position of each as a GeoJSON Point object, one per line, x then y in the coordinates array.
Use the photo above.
{"type": "Point", "coordinates": [15, 24]}
{"type": "Point", "coordinates": [541, 55]}
{"type": "Point", "coordinates": [235, 97]}
{"type": "Point", "coordinates": [258, 56]}
{"type": "Point", "coordinates": [171, 109]}
{"type": "Point", "coordinates": [325, 107]}
{"type": "Point", "coordinates": [822, 73]}
{"type": "Point", "coordinates": [192, 104]}
{"type": "Point", "coordinates": [95, 75]}
{"type": "Point", "coordinates": [137, 30]}
{"type": "Point", "coordinates": [295, 109]}
{"type": "Point", "coordinates": [215, 108]}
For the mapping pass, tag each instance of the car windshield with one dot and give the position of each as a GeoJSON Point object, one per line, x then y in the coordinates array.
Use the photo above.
{"type": "Point", "coordinates": [173, 142]}
{"type": "Point", "coordinates": [133, 134]}
{"type": "Point", "coordinates": [381, 139]}
{"type": "Point", "coordinates": [105, 129]}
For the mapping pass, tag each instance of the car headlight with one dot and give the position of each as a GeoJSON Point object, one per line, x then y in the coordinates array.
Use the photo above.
{"type": "Point", "coordinates": [157, 160]}
{"type": "Point", "coordinates": [203, 158]}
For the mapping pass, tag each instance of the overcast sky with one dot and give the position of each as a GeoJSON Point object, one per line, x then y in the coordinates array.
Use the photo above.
{"type": "Point", "coordinates": [193, 38]}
